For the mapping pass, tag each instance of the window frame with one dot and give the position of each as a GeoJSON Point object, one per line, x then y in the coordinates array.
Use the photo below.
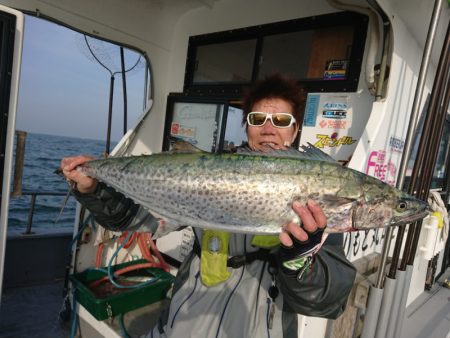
{"type": "Point", "coordinates": [7, 39]}
{"type": "Point", "coordinates": [350, 84]}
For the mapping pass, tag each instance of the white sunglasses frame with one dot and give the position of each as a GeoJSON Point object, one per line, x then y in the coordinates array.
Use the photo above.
{"type": "Point", "coordinates": [269, 117]}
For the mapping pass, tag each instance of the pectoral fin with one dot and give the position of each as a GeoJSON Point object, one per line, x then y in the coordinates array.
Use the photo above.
{"type": "Point", "coordinates": [335, 201]}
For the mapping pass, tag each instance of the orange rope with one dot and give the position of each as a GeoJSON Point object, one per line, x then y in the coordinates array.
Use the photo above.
{"type": "Point", "coordinates": [98, 257]}
{"type": "Point", "coordinates": [125, 270]}
{"type": "Point", "coordinates": [157, 253]}
{"type": "Point", "coordinates": [144, 248]}
{"type": "Point", "coordinates": [130, 241]}
{"type": "Point", "coordinates": [143, 241]}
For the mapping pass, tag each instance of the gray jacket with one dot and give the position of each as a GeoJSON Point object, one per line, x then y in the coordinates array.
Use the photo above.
{"type": "Point", "coordinates": [240, 306]}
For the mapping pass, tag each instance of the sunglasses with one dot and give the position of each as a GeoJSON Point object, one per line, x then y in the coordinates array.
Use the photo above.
{"type": "Point", "coordinates": [279, 120]}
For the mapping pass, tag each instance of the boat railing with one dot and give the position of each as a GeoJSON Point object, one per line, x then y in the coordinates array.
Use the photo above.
{"type": "Point", "coordinates": [33, 195]}
{"type": "Point", "coordinates": [17, 181]}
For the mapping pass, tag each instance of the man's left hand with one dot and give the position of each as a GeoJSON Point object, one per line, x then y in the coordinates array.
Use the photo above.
{"type": "Point", "coordinates": [299, 244]}
{"type": "Point", "coordinates": [312, 219]}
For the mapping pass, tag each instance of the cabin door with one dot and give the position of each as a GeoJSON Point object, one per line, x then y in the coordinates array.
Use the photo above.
{"type": "Point", "coordinates": [11, 30]}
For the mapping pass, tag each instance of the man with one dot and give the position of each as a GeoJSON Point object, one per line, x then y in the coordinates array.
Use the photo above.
{"type": "Point", "coordinates": [263, 282]}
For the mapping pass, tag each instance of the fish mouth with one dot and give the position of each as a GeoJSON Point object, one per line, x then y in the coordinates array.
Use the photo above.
{"type": "Point", "coordinates": [411, 218]}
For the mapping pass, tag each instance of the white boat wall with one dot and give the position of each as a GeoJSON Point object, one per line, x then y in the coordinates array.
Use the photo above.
{"type": "Point", "coordinates": [371, 137]}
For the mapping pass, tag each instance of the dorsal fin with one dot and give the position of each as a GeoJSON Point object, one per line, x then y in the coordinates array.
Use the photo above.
{"type": "Point", "coordinates": [315, 153]}
{"type": "Point", "coordinates": [308, 152]}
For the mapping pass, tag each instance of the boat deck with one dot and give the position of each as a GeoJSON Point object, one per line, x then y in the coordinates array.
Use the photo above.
{"type": "Point", "coordinates": [429, 315]}
{"type": "Point", "coordinates": [34, 312]}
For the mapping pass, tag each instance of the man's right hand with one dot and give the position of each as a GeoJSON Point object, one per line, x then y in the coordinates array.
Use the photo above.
{"type": "Point", "coordinates": [84, 184]}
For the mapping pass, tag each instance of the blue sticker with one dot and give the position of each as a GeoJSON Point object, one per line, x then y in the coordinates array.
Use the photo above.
{"type": "Point", "coordinates": [312, 104]}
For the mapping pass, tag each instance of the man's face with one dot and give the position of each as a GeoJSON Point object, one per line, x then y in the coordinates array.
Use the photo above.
{"type": "Point", "coordinates": [268, 136]}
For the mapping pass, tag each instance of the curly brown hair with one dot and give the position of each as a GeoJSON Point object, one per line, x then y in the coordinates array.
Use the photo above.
{"type": "Point", "coordinates": [275, 86]}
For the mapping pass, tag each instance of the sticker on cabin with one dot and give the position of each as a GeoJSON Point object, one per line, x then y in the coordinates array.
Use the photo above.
{"type": "Point", "coordinates": [396, 144]}
{"type": "Point", "coordinates": [335, 112]}
{"type": "Point", "coordinates": [335, 70]}
{"type": "Point", "coordinates": [333, 124]}
{"type": "Point", "coordinates": [333, 140]}
{"type": "Point", "coordinates": [178, 130]}
{"type": "Point", "coordinates": [311, 109]}
{"type": "Point", "coordinates": [380, 167]}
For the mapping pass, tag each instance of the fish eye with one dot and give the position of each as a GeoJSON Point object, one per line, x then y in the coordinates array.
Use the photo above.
{"type": "Point", "coordinates": [401, 206]}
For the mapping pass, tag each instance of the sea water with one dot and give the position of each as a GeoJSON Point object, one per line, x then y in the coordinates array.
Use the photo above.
{"type": "Point", "coordinates": [43, 154]}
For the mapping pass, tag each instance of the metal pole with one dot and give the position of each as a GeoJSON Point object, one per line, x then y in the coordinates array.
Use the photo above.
{"type": "Point", "coordinates": [436, 136]}
{"type": "Point", "coordinates": [404, 297]}
{"type": "Point", "coordinates": [419, 91]}
{"type": "Point", "coordinates": [124, 86]}
{"type": "Point", "coordinates": [108, 133]}
{"type": "Point", "coordinates": [395, 303]}
{"type": "Point", "coordinates": [409, 141]}
{"type": "Point", "coordinates": [388, 303]}
{"type": "Point", "coordinates": [384, 256]}
{"type": "Point", "coordinates": [437, 113]}
{"type": "Point", "coordinates": [371, 317]}
{"type": "Point", "coordinates": [385, 312]}
{"type": "Point", "coordinates": [433, 133]}
{"type": "Point", "coordinates": [376, 291]}
{"type": "Point", "coordinates": [30, 215]}
{"type": "Point", "coordinates": [423, 148]}
{"type": "Point", "coordinates": [18, 164]}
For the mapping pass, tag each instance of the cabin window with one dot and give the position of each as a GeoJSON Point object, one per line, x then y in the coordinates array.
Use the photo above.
{"type": "Point", "coordinates": [225, 62]}
{"type": "Point", "coordinates": [279, 54]}
{"type": "Point", "coordinates": [65, 98]}
{"type": "Point", "coordinates": [323, 52]}
{"type": "Point", "coordinates": [319, 54]}
{"type": "Point", "coordinates": [210, 124]}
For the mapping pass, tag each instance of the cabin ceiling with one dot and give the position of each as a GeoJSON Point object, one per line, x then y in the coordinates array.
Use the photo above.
{"type": "Point", "coordinates": [412, 14]}
{"type": "Point", "coordinates": [151, 22]}
{"type": "Point", "coordinates": [132, 22]}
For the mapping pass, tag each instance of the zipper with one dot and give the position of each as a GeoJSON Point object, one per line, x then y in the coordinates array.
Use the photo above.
{"type": "Point", "coordinates": [187, 298]}
{"type": "Point", "coordinates": [259, 289]}
{"type": "Point", "coordinates": [228, 300]}
{"type": "Point", "coordinates": [269, 306]}
{"type": "Point", "coordinates": [234, 289]}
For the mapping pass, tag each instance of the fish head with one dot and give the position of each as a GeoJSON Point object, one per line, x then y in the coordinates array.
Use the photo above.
{"type": "Point", "coordinates": [393, 208]}
{"type": "Point", "coordinates": [408, 209]}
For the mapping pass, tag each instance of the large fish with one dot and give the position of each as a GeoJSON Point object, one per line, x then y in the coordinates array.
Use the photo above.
{"type": "Point", "coordinates": [252, 192]}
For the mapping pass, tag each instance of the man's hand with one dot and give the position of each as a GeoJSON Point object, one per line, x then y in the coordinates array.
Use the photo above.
{"type": "Point", "coordinates": [299, 244]}
{"type": "Point", "coordinates": [84, 184]}
{"type": "Point", "coordinates": [312, 219]}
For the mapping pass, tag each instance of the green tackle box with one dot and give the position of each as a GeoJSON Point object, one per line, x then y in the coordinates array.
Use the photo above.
{"type": "Point", "coordinates": [107, 301]}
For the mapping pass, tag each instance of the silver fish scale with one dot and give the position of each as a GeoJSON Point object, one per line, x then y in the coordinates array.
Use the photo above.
{"type": "Point", "coordinates": [221, 197]}
{"type": "Point", "coordinates": [240, 193]}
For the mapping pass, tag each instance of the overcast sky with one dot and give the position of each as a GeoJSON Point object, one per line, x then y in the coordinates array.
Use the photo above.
{"type": "Point", "coordinates": [63, 92]}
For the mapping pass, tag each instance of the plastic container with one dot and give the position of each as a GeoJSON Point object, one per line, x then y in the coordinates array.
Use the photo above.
{"type": "Point", "coordinates": [107, 301]}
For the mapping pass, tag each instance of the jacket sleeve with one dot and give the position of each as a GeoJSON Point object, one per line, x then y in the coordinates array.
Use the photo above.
{"type": "Point", "coordinates": [324, 289]}
{"type": "Point", "coordinates": [114, 211]}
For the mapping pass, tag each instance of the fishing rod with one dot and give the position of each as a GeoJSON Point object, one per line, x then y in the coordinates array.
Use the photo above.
{"type": "Point", "coordinates": [434, 123]}
{"type": "Point", "coordinates": [380, 310]}
{"type": "Point", "coordinates": [440, 103]}
{"type": "Point", "coordinates": [418, 170]}
{"type": "Point", "coordinates": [428, 149]}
